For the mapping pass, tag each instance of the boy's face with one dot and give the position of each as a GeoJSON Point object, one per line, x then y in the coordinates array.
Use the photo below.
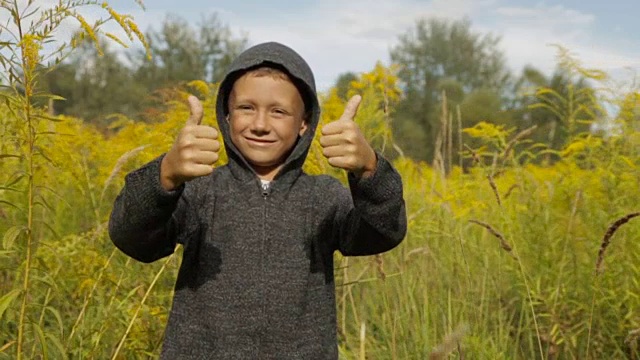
{"type": "Point", "coordinates": [266, 116]}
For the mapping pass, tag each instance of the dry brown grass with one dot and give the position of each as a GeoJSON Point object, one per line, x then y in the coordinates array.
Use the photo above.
{"type": "Point", "coordinates": [632, 337]}
{"type": "Point", "coordinates": [450, 343]}
{"type": "Point", "coordinates": [510, 190]}
{"type": "Point", "coordinates": [606, 239]}
{"type": "Point", "coordinates": [514, 141]}
{"type": "Point", "coordinates": [503, 242]}
{"type": "Point", "coordinates": [494, 188]}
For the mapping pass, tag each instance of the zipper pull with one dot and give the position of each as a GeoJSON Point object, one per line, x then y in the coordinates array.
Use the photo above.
{"type": "Point", "coordinates": [266, 189]}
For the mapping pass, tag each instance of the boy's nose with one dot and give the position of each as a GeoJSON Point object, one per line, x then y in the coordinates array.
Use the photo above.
{"type": "Point", "coordinates": [260, 122]}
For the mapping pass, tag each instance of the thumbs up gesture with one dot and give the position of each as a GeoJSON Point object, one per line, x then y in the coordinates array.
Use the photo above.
{"type": "Point", "coordinates": [193, 153]}
{"type": "Point", "coordinates": [344, 145]}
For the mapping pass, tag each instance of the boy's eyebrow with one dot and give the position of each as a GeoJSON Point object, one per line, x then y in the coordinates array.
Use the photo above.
{"type": "Point", "coordinates": [236, 100]}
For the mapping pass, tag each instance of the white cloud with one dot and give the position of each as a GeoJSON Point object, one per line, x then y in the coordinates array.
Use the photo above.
{"type": "Point", "coordinates": [527, 34]}
{"type": "Point", "coordinates": [337, 36]}
{"type": "Point", "coordinates": [556, 14]}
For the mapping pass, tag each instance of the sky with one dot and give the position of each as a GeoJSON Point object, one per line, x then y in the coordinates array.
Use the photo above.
{"type": "Point", "coordinates": [337, 36]}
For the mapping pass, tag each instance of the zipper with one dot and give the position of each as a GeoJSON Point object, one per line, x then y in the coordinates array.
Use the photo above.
{"type": "Point", "coordinates": [266, 191]}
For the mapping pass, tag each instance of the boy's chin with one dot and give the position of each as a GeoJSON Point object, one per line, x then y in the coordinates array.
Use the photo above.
{"type": "Point", "coordinates": [263, 168]}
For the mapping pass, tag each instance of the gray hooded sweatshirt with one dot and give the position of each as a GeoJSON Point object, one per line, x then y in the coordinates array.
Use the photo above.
{"type": "Point", "coordinates": [256, 279]}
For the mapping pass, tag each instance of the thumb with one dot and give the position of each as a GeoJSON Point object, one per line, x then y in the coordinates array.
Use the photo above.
{"type": "Point", "coordinates": [351, 109]}
{"type": "Point", "coordinates": [195, 109]}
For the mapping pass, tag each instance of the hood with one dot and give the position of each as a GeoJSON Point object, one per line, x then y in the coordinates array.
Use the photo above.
{"type": "Point", "coordinates": [286, 59]}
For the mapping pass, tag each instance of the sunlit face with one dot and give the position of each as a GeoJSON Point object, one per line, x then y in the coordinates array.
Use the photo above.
{"type": "Point", "coordinates": [266, 115]}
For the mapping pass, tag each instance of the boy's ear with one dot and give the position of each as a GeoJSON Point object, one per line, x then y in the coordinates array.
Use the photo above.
{"type": "Point", "coordinates": [303, 128]}
{"type": "Point", "coordinates": [306, 117]}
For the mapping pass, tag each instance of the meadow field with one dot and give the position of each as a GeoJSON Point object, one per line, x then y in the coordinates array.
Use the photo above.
{"type": "Point", "coordinates": [514, 250]}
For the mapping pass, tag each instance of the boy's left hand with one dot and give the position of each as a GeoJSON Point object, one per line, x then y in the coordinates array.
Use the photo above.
{"type": "Point", "coordinates": [344, 145]}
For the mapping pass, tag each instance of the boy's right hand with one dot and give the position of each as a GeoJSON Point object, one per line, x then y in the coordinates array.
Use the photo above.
{"type": "Point", "coordinates": [193, 153]}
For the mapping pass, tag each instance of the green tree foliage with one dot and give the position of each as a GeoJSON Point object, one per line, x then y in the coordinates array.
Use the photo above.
{"type": "Point", "coordinates": [562, 106]}
{"type": "Point", "coordinates": [97, 84]}
{"type": "Point", "coordinates": [343, 83]}
{"type": "Point", "coordinates": [436, 57]}
{"type": "Point", "coordinates": [184, 53]}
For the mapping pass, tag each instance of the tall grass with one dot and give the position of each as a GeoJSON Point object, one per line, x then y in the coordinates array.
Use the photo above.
{"type": "Point", "coordinates": [505, 259]}
{"type": "Point", "coordinates": [30, 39]}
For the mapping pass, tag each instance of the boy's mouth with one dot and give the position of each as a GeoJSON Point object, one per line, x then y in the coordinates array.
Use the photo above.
{"type": "Point", "coordinates": [259, 141]}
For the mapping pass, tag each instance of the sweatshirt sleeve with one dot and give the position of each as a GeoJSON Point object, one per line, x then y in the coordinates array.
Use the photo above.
{"type": "Point", "coordinates": [146, 220]}
{"type": "Point", "coordinates": [373, 218]}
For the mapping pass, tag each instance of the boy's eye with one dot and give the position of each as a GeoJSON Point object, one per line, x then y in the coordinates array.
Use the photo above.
{"type": "Point", "coordinates": [244, 107]}
{"type": "Point", "coordinates": [280, 112]}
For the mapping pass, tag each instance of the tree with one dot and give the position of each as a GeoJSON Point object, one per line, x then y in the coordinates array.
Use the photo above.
{"type": "Point", "coordinates": [183, 53]}
{"type": "Point", "coordinates": [96, 86]}
{"type": "Point", "coordinates": [560, 105]}
{"type": "Point", "coordinates": [220, 48]}
{"type": "Point", "coordinates": [177, 55]}
{"type": "Point", "coordinates": [440, 55]}
{"type": "Point", "coordinates": [343, 84]}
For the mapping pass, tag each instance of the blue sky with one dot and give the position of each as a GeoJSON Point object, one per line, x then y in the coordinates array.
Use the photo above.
{"type": "Point", "coordinates": [336, 36]}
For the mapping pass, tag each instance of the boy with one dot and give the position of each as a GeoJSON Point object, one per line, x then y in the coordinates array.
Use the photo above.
{"type": "Point", "coordinates": [256, 280]}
